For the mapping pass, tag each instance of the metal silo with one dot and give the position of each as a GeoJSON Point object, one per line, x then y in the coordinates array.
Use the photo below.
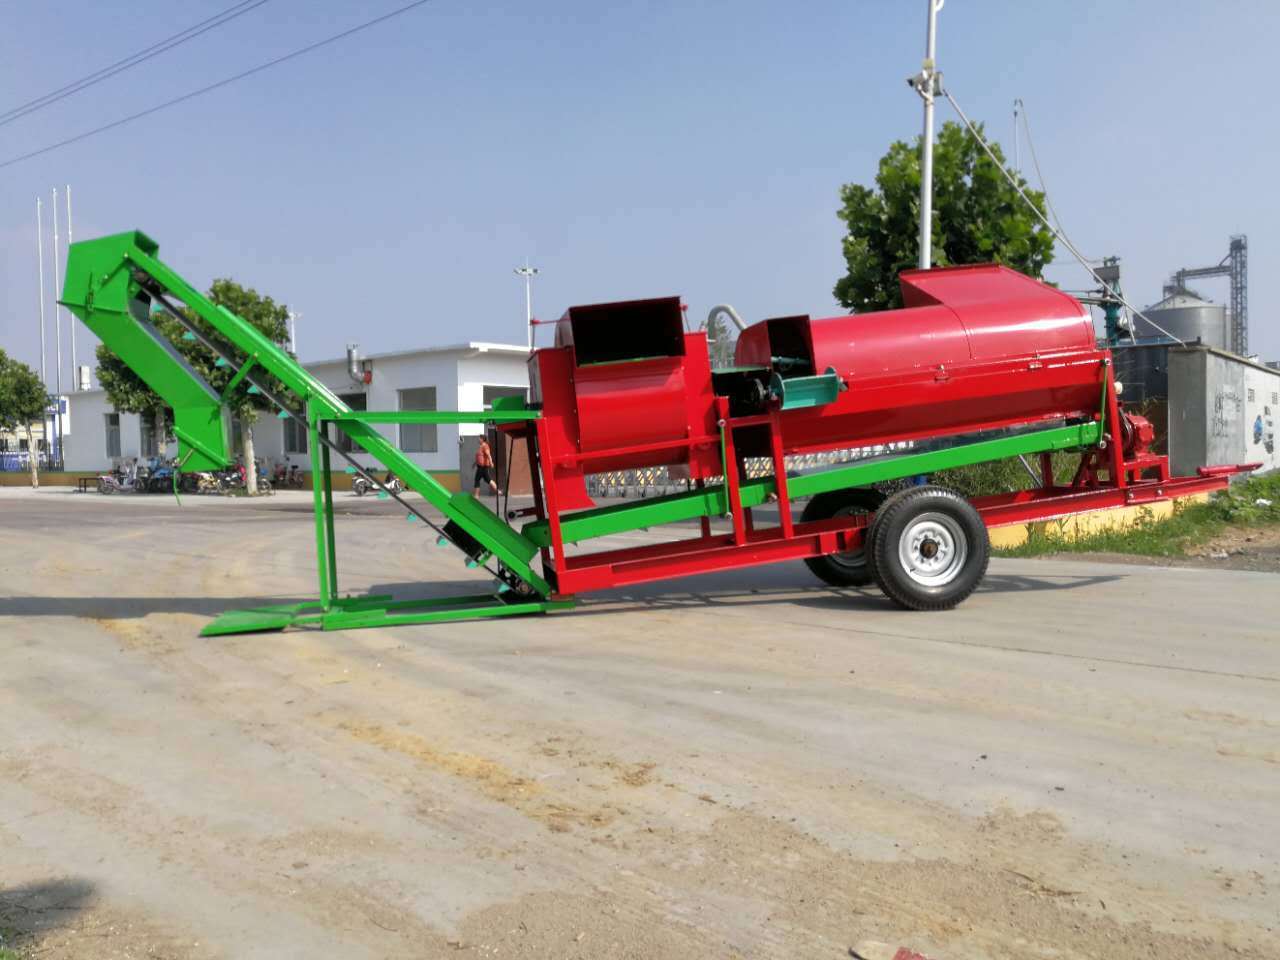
{"type": "Point", "coordinates": [1188, 318]}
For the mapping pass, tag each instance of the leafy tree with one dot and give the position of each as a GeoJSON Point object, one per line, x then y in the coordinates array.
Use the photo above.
{"type": "Point", "coordinates": [720, 342]}
{"type": "Point", "coordinates": [126, 390]}
{"type": "Point", "coordinates": [977, 218]}
{"type": "Point", "coordinates": [23, 400]}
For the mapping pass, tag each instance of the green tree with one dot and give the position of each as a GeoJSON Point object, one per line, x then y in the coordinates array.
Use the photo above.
{"type": "Point", "coordinates": [977, 218]}
{"type": "Point", "coordinates": [23, 400]}
{"type": "Point", "coordinates": [126, 390]}
{"type": "Point", "coordinates": [721, 342]}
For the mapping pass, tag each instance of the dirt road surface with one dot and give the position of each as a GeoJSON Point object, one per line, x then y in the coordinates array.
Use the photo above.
{"type": "Point", "coordinates": [1083, 761]}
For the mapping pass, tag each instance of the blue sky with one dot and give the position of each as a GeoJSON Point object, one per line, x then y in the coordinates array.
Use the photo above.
{"type": "Point", "coordinates": [386, 186]}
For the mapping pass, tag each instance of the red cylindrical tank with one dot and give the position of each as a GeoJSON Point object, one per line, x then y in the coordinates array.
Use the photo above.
{"type": "Point", "coordinates": [974, 347]}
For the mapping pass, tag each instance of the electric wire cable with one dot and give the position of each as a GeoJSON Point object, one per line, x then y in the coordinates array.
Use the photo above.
{"type": "Point", "coordinates": [133, 60]}
{"type": "Point", "coordinates": [1107, 288]}
{"type": "Point", "coordinates": [209, 88]}
{"type": "Point", "coordinates": [1035, 162]}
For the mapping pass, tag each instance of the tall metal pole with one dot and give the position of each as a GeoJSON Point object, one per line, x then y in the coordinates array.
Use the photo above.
{"type": "Point", "coordinates": [44, 376]}
{"type": "Point", "coordinates": [75, 371]}
{"type": "Point", "coordinates": [528, 273]}
{"type": "Point", "coordinates": [1017, 162]}
{"type": "Point", "coordinates": [926, 86]}
{"type": "Point", "coordinates": [56, 446]}
{"type": "Point", "coordinates": [57, 322]}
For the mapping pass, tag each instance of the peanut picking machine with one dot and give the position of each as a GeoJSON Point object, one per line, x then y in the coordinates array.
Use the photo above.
{"type": "Point", "coordinates": [981, 363]}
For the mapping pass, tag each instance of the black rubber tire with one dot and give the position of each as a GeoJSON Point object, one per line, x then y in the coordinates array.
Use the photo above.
{"type": "Point", "coordinates": [873, 529]}
{"type": "Point", "coordinates": [893, 521]}
{"type": "Point", "coordinates": [842, 569]}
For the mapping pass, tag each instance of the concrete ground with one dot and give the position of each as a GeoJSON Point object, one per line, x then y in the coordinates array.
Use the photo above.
{"type": "Point", "coordinates": [1081, 761]}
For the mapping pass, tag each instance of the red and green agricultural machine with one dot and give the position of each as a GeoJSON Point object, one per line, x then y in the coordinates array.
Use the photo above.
{"type": "Point", "coordinates": [981, 363]}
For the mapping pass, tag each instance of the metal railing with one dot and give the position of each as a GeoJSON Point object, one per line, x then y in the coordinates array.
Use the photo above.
{"type": "Point", "coordinates": [16, 461]}
{"type": "Point", "coordinates": [659, 481]}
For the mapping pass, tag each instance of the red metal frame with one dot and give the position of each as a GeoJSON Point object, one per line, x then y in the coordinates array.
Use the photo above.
{"type": "Point", "coordinates": [748, 545]}
{"type": "Point", "coordinates": [1018, 353]}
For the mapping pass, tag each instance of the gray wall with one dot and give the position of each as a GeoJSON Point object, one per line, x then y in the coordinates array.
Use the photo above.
{"type": "Point", "coordinates": [1222, 409]}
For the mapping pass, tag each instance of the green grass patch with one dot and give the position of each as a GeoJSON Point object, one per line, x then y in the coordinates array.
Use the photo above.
{"type": "Point", "coordinates": [1190, 525]}
{"type": "Point", "coordinates": [7, 954]}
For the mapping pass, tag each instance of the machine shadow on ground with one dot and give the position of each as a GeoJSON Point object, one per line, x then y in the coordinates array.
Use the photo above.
{"type": "Point", "coordinates": [763, 586]}
{"type": "Point", "coordinates": [131, 608]}
{"type": "Point", "coordinates": [34, 909]}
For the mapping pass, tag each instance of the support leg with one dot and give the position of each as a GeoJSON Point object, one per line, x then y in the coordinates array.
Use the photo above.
{"type": "Point", "coordinates": [330, 539]}
{"type": "Point", "coordinates": [780, 476]}
{"type": "Point", "coordinates": [319, 481]}
{"type": "Point", "coordinates": [1113, 427]}
{"type": "Point", "coordinates": [729, 458]}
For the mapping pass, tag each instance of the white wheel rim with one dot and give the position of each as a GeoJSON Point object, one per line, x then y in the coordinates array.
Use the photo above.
{"type": "Point", "coordinates": [933, 549]}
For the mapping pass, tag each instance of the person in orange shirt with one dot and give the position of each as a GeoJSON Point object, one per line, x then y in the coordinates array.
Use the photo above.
{"type": "Point", "coordinates": [484, 469]}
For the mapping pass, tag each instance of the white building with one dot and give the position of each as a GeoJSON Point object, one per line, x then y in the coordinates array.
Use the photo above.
{"type": "Point", "coordinates": [464, 377]}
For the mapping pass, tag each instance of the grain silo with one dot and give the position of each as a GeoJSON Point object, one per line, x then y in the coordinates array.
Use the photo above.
{"type": "Point", "coordinates": [1186, 317]}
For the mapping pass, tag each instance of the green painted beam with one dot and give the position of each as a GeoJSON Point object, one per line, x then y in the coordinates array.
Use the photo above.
{"type": "Point", "coordinates": [100, 291]}
{"type": "Point", "coordinates": [411, 612]}
{"type": "Point", "coordinates": [349, 613]}
{"type": "Point", "coordinates": [107, 284]}
{"type": "Point", "coordinates": [713, 501]}
{"type": "Point", "coordinates": [437, 416]}
{"type": "Point", "coordinates": [235, 381]}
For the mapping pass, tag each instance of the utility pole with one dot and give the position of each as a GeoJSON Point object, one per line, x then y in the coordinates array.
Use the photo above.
{"type": "Point", "coordinates": [926, 83]}
{"type": "Point", "coordinates": [75, 370]}
{"type": "Point", "coordinates": [44, 376]}
{"type": "Point", "coordinates": [528, 273]}
{"type": "Point", "coordinates": [1017, 163]}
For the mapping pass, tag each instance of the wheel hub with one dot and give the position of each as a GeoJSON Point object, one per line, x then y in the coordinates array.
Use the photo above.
{"type": "Point", "coordinates": [933, 549]}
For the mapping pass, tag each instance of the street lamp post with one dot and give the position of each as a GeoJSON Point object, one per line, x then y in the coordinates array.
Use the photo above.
{"type": "Point", "coordinates": [528, 273]}
{"type": "Point", "coordinates": [926, 84]}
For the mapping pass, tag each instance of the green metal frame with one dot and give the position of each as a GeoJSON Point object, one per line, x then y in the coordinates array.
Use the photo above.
{"type": "Point", "coordinates": [714, 501]}
{"type": "Point", "coordinates": [112, 285]}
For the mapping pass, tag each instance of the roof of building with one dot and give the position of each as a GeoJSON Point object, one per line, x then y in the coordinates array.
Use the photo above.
{"type": "Point", "coordinates": [477, 346]}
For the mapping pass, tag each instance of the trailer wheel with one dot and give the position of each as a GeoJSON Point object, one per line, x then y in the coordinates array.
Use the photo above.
{"type": "Point", "coordinates": [929, 549]}
{"type": "Point", "coordinates": [848, 569]}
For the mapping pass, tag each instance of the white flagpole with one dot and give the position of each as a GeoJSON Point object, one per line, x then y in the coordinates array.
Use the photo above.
{"type": "Point", "coordinates": [75, 371]}
{"type": "Point", "coordinates": [44, 375]}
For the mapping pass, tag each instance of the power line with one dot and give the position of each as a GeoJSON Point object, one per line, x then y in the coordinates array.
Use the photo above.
{"type": "Point", "coordinates": [213, 86]}
{"type": "Point", "coordinates": [1035, 162]}
{"type": "Point", "coordinates": [70, 89]}
{"type": "Point", "coordinates": [1112, 292]}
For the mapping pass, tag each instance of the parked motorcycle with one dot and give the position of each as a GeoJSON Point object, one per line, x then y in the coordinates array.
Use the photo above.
{"type": "Point", "coordinates": [200, 481]}
{"type": "Point", "coordinates": [119, 480]}
{"type": "Point", "coordinates": [116, 482]}
{"type": "Point", "coordinates": [287, 476]}
{"type": "Point", "coordinates": [362, 485]}
{"type": "Point", "coordinates": [233, 479]}
{"type": "Point", "coordinates": [161, 479]}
